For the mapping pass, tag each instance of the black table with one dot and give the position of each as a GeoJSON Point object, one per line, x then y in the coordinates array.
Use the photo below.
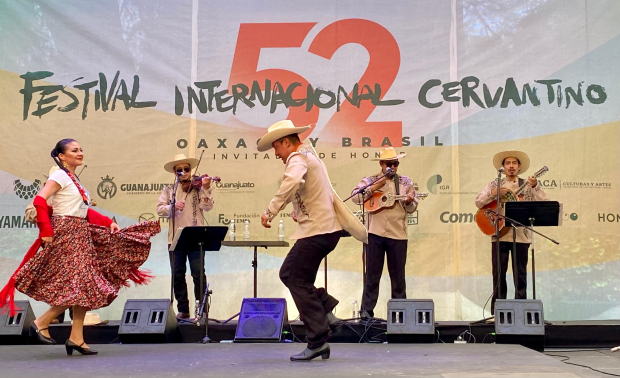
{"type": "Point", "coordinates": [255, 244]}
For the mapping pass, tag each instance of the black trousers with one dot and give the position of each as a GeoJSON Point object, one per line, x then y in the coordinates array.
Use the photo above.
{"type": "Point", "coordinates": [180, 286]}
{"type": "Point", "coordinates": [298, 273]}
{"type": "Point", "coordinates": [519, 274]}
{"type": "Point", "coordinates": [396, 252]}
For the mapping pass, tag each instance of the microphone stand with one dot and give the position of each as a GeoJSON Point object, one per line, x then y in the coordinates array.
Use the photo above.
{"type": "Point", "coordinates": [172, 217]}
{"type": "Point", "coordinates": [496, 242]}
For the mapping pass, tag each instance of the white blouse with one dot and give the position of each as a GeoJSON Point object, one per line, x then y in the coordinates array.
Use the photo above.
{"type": "Point", "coordinates": [68, 200]}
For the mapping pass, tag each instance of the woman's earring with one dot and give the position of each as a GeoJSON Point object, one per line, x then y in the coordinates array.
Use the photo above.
{"type": "Point", "coordinates": [64, 164]}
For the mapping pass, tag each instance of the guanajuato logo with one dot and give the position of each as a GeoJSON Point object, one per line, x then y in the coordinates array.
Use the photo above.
{"type": "Point", "coordinates": [106, 188]}
{"type": "Point", "coordinates": [26, 191]}
{"type": "Point", "coordinates": [234, 185]}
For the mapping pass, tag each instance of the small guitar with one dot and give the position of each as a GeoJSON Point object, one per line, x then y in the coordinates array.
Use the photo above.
{"type": "Point", "coordinates": [380, 200]}
{"type": "Point", "coordinates": [485, 216]}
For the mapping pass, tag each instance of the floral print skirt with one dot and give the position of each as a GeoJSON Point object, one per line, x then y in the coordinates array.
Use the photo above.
{"type": "Point", "coordinates": [85, 265]}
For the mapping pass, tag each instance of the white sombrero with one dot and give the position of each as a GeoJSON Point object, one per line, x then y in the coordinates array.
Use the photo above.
{"type": "Point", "coordinates": [180, 159]}
{"type": "Point", "coordinates": [389, 153]}
{"type": "Point", "coordinates": [499, 157]}
{"type": "Point", "coordinates": [279, 130]}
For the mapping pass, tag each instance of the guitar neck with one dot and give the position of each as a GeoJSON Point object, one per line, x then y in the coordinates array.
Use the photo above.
{"type": "Point", "coordinates": [536, 175]}
{"type": "Point", "coordinates": [521, 188]}
{"type": "Point", "coordinates": [404, 196]}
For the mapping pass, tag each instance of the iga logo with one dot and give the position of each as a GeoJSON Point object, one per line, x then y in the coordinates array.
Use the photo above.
{"type": "Point", "coordinates": [26, 191]}
{"type": "Point", "coordinates": [106, 188]}
{"type": "Point", "coordinates": [433, 184]}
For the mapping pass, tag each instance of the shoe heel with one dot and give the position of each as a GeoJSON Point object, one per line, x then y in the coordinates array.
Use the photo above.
{"type": "Point", "coordinates": [69, 350]}
{"type": "Point", "coordinates": [325, 355]}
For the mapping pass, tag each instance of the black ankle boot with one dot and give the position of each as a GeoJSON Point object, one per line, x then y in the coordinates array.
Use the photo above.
{"type": "Point", "coordinates": [309, 354]}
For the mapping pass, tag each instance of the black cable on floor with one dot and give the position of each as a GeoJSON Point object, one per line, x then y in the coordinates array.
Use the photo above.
{"type": "Point", "coordinates": [566, 358]}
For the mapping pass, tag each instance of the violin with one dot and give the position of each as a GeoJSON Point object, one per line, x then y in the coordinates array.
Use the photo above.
{"type": "Point", "coordinates": [196, 181]}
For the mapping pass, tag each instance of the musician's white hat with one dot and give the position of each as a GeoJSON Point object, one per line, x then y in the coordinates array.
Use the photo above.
{"type": "Point", "coordinates": [389, 153]}
{"type": "Point", "coordinates": [279, 130]}
{"type": "Point", "coordinates": [180, 159]}
{"type": "Point", "coordinates": [524, 160]}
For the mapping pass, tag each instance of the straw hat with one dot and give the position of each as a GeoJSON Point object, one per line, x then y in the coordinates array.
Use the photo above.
{"type": "Point", "coordinates": [389, 153]}
{"type": "Point", "coordinates": [180, 159]}
{"type": "Point", "coordinates": [279, 130]}
{"type": "Point", "coordinates": [499, 157]}
{"type": "Point", "coordinates": [52, 170]}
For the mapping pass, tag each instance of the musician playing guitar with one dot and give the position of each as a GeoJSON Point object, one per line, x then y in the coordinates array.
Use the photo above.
{"type": "Point", "coordinates": [387, 229]}
{"type": "Point", "coordinates": [514, 163]}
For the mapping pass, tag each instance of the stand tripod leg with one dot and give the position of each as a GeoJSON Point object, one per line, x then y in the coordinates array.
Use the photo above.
{"type": "Point", "coordinates": [203, 312]}
{"type": "Point", "coordinates": [255, 266]}
{"type": "Point", "coordinates": [326, 274]}
{"type": "Point", "coordinates": [533, 263]}
{"type": "Point", "coordinates": [171, 254]}
{"type": "Point", "coordinates": [231, 318]}
{"type": "Point", "coordinates": [515, 266]}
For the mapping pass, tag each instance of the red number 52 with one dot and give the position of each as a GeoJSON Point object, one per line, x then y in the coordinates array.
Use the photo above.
{"type": "Point", "coordinates": [350, 121]}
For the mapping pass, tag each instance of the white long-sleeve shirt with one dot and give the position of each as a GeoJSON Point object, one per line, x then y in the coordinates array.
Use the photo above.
{"type": "Point", "coordinates": [307, 186]}
{"type": "Point", "coordinates": [192, 215]}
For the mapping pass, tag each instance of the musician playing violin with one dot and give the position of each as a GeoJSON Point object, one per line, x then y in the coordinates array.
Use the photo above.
{"type": "Point", "coordinates": [193, 198]}
{"type": "Point", "coordinates": [513, 163]}
{"type": "Point", "coordinates": [387, 229]}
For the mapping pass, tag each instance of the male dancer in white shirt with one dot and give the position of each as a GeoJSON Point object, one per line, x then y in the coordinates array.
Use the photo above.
{"type": "Point", "coordinates": [307, 186]}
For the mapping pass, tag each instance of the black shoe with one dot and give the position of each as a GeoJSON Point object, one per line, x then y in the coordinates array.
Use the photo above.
{"type": "Point", "coordinates": [70, 346]}
{"type": "Point", "coordinates": [36, 332]}
{"type": "Point", "coordinates": [309, 354]}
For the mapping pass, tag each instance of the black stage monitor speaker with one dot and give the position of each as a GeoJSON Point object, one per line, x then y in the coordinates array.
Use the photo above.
{"type": "Point", "coordinates": [149, 321]}
{"type": "Point", "coordinates": [261, 320]}
{"type": "Point", "coordinates": [14, 329]}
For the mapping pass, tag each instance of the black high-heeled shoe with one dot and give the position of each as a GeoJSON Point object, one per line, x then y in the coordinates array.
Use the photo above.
{"type": "Point", "coordinates": [36, 332]}
{"type": "Point", "coordinates": [70, 346]}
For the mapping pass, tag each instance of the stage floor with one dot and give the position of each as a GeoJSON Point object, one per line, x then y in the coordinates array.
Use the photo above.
{"type": "Point", "coordinates": [272, 360]}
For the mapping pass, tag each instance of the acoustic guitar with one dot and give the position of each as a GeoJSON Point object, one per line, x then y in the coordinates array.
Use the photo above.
{"type": "Point", "coordinates": [379, 200]}
{"type": "Point", "coordinates": [485, 216]}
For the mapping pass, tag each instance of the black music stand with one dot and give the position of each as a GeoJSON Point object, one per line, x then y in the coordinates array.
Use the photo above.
{"type": "Point", "coordinates": [203, 238]}
{"type": "Point", "coordinates": [533, 213]}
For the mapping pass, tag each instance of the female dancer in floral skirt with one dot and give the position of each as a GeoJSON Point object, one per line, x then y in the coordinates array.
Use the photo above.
{"type": "Point", "coordinates": [85, 258]}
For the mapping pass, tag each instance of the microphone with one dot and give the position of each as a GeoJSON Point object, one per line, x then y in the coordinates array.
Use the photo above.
{"type": "Point", "coordinates": [180, 173]}
{"type": "Point", "coordinates": [501, 170]}
{"type": "Point", "coordinates": [389, 172]}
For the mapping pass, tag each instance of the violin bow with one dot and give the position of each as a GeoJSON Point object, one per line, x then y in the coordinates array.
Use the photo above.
{"type": "Point", "coordinates": [191, 180]}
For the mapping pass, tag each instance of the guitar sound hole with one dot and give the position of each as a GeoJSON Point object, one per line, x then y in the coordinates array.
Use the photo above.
{"type": "Point", "coordinates": [384, 198]}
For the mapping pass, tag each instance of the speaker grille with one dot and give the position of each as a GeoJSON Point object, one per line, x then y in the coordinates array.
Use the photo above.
{"type": "Point", "coordinates": [259, 326]}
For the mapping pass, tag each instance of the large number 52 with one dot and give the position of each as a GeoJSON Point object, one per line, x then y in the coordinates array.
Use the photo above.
{"type": "Point", "coordinates": [350, 121]}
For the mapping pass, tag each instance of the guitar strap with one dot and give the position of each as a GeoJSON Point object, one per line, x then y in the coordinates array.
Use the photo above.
{"type": "Point", "coordinates": [396, 184]}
